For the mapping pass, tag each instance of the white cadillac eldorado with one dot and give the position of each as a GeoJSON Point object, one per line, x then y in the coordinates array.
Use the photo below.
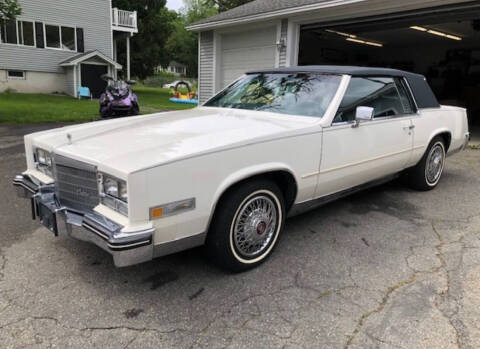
{"type": "Point", "coordinates": [226, 174]}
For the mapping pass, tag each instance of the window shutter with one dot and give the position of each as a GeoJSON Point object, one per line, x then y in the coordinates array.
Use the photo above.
{"type": "Point", "coordinates": [39, 34]}
{"type": "Point", "coordinates": [80, 43]}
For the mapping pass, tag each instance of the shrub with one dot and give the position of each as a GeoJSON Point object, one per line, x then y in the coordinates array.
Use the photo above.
{"type": "Point", "coordinates": [160, 79]}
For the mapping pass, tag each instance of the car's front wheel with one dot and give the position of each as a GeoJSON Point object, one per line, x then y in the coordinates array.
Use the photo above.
{"type": "Point", "coordinates": [427, 173]}
{"type": "Point", "coordinates": [246, 225]}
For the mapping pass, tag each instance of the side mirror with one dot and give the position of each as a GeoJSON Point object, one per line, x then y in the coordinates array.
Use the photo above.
{"type": "Point", "coordinates": [363, 114]}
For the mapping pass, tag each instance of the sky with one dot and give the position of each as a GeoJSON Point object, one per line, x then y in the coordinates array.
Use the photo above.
{"type": "Point", "coordinates": [174, 4]}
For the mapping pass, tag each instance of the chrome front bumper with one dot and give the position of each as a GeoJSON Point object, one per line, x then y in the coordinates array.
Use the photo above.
{"type": "Point", "coordinates": [126, 249]}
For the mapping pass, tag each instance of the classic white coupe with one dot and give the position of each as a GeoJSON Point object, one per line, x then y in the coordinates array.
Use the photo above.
{"type": "Point", "coordinates": [226, 174]}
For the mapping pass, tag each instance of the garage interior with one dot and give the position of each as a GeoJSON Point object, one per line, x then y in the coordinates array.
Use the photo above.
{"type": "Point", "coordinates": [443, 44]}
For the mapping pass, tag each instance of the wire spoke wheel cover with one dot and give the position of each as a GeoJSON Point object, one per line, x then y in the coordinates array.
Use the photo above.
{"type": "Point", "coordinates": [255, 226]}
{"type": "Point", "coordinates": [435, 163]}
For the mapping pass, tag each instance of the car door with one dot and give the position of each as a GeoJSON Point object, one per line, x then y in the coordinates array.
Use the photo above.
{"type": "Point", "coordinates": [355, 154]}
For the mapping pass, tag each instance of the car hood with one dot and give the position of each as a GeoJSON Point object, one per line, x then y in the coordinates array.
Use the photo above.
{"type": "Point", "coordinates": [132, 144]}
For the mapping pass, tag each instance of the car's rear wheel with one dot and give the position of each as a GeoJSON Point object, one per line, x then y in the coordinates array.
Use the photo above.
{"type": "Point", "coordinates": [246, 225]}
{"type": "Point", "coordinates": [427, 173]}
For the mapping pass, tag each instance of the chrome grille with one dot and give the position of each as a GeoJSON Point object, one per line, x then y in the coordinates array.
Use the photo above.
{"type": "Point", "coordinates": [76, 184]}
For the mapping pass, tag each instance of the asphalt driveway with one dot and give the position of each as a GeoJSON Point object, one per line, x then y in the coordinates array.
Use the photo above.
{"type": "Point", "coordinates": [385, 268]}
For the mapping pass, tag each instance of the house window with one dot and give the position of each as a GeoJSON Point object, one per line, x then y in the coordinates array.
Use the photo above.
{"type": "Point", "coordinates": [68, 38]}
{"type": "Point", "coordinates": [52, 36]}
{"type": "Point", "coordinates": [16, 74]}
{"type": "Point", "coordinates": [60, 37]}
{"type": "Point", "coordinates": [26, 34]}
{"type": "Point", "coordinates": [8, 32]}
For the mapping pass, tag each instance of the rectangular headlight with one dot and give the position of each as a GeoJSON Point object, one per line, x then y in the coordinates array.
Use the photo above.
{"type": "Point", "coordinates": [113, 193]}
{"type": "Point", "coordinates": [43, 161]}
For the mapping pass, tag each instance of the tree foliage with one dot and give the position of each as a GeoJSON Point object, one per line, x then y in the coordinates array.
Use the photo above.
{"type": "Point", "coordinates": [155, 26]}
{"type": "Point", "coordinates": [182, 45]}
{"type": "Point", "coordinates": [9, 9]}
{"type": "Point", "coordinates": [163, 36]}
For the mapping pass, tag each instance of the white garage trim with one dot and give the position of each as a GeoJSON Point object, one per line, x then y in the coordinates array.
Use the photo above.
{"type": "Point", "coordinates": [293, 43]}
{"type": "Point", "coordinates": [217, 57]}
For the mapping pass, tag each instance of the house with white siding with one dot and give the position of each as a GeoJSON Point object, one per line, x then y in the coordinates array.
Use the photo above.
{"type": "Point", "coordinates": [437, 38]}
{"type": "Point", "coordinates": [58, 46]}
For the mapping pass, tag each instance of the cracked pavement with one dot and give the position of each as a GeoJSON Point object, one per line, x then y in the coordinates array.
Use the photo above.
{"type": "Point", "coordinates": [385, 268]}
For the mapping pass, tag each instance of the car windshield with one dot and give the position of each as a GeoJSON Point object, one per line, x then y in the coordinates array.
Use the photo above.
{"type": "Point", "coordinates": [305, 94]}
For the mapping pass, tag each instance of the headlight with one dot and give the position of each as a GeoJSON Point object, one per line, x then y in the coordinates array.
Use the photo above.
{"type": "Point", "coordinates": [43, 160]}
{"type": "Point", "coordinates": [113, 193]}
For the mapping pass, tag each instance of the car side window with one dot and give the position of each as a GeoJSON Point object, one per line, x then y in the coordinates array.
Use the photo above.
{"type": "Point", "coordinates": [405, 96]}
{"type": "Point", "coordinates": [380, 93]}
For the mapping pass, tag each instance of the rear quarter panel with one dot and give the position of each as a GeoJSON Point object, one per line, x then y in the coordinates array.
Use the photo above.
{"type": "Point", "coordinates": [432, 122]}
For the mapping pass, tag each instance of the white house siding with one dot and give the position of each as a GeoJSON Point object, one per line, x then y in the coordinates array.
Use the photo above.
{"type": "Point", "coordinates": [206, 66]}
{"type": "Point", "coordinates": [247, 50]}
{"type": "Point", "coordinates": [91, 15]}
{"type": "Point", "coordinates": [34, 82]}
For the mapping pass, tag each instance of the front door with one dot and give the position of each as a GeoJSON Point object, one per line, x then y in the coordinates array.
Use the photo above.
{"type": "Point", "coordinates": [91, 78]}
{"type": "Point", "coordinates": [352, 156]}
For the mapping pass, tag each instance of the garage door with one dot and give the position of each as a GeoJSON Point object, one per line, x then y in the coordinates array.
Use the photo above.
{"type": "Point", "coordinates": [241, 52]}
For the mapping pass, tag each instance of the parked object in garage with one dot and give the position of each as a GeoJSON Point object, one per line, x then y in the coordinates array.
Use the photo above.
{"type": "Point", "coordinates": [274, 143]}
{"type": "Point", "coordinates": [118, 99]}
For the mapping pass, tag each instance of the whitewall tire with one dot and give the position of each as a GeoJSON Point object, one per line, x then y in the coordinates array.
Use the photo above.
{"type": "Point", "coordinates": [246, 225]}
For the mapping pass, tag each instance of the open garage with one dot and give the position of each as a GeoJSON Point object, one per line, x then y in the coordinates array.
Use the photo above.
{"type": "Point", "coordinates": [442, 44]}
{"type": "Point", "coordinates": [437, 38]}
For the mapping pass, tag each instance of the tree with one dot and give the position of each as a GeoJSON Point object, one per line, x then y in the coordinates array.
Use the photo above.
{"type": "Point", "coordinates": [155, 25]}
{"type": "Point", "coordinates": [182, 45]}
{"type": "Point", "coordinates": [9, 10]}
{"type": "Point", "coordinates": [225, 5]}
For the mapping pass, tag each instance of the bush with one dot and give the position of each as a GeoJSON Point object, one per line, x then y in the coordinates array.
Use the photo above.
{"type": "Point", "coordinates": [160, 79]}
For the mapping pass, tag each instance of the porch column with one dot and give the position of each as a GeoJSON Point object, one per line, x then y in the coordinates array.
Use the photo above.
{"type": "Point", "coordinates": [128, 57]}
{"type": "Point", "coordinates": [75, 86]}
{"type": "Point", "coordinates": [115, 50]}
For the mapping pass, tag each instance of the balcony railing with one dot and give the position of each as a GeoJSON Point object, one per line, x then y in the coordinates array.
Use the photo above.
{"type": "Point", "coordinates": [124, 20]}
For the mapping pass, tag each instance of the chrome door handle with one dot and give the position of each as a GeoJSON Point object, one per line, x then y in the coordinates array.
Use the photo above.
{"type": "Point", "coordinates": [411, 127]}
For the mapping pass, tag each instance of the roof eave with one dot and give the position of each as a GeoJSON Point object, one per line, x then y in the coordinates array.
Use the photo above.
{"type": "Point", "coordinates": [90, 55]}
{"type": "Point", "coordinates": [269, 15]}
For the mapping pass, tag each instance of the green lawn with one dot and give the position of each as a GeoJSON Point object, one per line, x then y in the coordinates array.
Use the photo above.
{"type": "Point", "coordinates": [27, 108]}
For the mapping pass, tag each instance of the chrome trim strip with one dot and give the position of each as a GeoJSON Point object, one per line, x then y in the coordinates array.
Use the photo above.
{"type": "Point", "coordinates": [24, 186]}
{"type": "Point", "coordinates": [369, 160]}
{"type": "Point", "coordinates": [308, 175]}
{"type": "Point", "coordinates": [135, 244]}
{"type": "Point", "coordinates": [178, 245]}
{"type": "Point", "coordinates": [312, 204]}
{"type": "Point", "coordinates": [92, 229]}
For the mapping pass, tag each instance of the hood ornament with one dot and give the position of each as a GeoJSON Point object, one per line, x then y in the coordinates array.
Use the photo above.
{"type": "Point", "coordinates": [69, 137]}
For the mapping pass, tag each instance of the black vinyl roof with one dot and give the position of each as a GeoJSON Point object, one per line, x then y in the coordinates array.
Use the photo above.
{"type": "Point", "coordinates": [424, 96]}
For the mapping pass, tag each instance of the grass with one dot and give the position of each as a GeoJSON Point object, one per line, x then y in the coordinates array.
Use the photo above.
{"type": "Point", "coordinates": [38, 108]}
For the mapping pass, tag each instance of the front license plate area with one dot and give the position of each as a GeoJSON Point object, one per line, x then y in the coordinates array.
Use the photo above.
{"type": "Point", "coordinates": [48, 218]}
